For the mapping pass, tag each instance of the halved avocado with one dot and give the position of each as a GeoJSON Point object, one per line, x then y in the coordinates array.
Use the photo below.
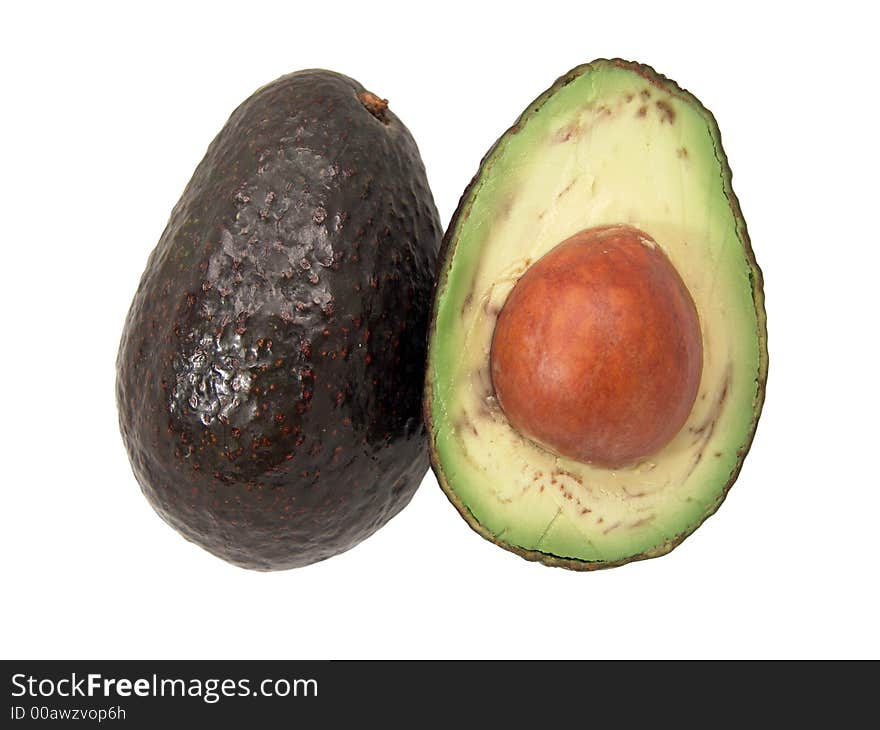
{"type": "Point", "coordinates": [611, 146]}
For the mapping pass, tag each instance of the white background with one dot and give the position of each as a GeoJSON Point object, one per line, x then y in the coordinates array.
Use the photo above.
{"type": "Point", "coordinates": [107, 113]}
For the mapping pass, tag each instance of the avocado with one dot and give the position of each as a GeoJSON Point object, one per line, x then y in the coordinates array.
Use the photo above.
{"type": "Point", "coordinates": [597, 352]}
{"type": "Point", "coordinates": [270, 372]}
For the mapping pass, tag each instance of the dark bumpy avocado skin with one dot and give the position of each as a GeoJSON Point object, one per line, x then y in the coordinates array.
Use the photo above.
{"type": "Point", "coordinates": [270, 369]}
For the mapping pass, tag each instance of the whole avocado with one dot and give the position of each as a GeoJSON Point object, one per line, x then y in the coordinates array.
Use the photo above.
{"type": "Point", "coordinates": [270, 370]}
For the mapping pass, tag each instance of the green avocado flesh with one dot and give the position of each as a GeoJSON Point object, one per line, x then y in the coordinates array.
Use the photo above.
{"type": "Point", "coordinates": [611, 143]}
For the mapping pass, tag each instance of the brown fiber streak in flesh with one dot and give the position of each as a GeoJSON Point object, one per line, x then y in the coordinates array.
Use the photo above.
{"type": "Point", "coordinates": [706, 429]}
{"type": "Point", "coordinates": [667, 113]}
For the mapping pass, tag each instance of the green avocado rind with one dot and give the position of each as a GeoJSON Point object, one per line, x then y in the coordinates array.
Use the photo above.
{"type": "Point", "coordinates": [269, 376]}
{"type": "Point", "coordinates": [433, 401]}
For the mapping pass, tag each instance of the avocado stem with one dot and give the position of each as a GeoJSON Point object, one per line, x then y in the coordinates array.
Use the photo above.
{"type": "Point", "coordinates": [375, 105]}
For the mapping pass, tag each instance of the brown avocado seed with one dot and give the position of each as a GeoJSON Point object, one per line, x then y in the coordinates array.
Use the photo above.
{"type": "Point", "coordinates": [597, 353]}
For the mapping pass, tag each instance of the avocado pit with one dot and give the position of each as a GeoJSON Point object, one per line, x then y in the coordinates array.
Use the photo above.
{"type": "Point", "coordinates": [597, 352]}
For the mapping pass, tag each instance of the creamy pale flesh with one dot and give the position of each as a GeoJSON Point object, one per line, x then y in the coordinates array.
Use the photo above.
{"type": "Point", "coordinates": [607, 148]}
